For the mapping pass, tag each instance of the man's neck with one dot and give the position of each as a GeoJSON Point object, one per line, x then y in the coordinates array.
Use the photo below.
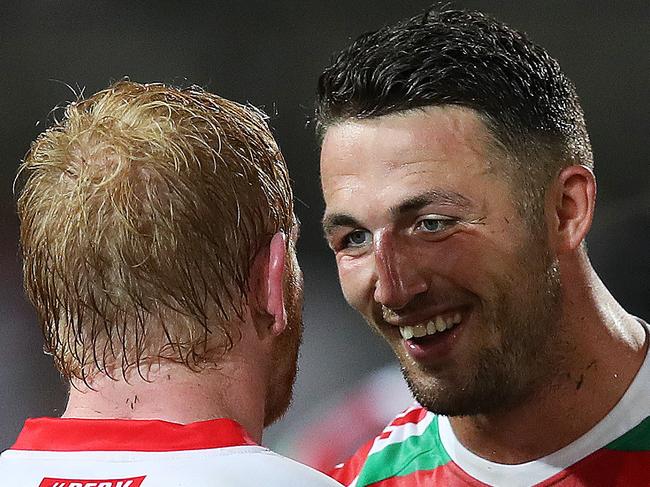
{"type": "Point", "coordinates": [608, 348]}
{"type": "Point", "coordinates": [172, 392]}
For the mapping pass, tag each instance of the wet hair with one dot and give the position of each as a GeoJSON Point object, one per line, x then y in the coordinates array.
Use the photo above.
{"type": "Point", "coordinates": [141, 213]}
{"type": "Point", "coordinates": [465, 59]}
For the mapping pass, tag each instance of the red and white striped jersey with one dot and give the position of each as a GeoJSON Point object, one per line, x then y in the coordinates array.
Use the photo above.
{"type": "Point", "coordinates": [53, 452]}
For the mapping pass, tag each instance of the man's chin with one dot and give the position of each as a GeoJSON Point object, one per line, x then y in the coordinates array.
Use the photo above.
{"type": "Point", "coordinates": [463, 397]}
{"type": "Point", "coordinates": [447, 396]}
{"type": "Point", "coordinates": [431, 394]}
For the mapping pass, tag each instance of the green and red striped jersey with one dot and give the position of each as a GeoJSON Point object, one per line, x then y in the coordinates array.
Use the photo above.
{"type": "Point", "coordinates": [410, 453]}
{"type": "Point", "coordinates": [419, 448]}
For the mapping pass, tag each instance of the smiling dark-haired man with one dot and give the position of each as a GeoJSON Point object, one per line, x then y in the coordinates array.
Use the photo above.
{"type": "Point", "coordinates": [458, 179]}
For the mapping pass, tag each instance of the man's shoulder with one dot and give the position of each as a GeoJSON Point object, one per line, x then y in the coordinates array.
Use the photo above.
{"type": "Point", "coordinates": [410, 448]}
{"type": "Point", "coordinates": [273, 470]}
{"type": "Point", "coordinates": [245, 466]}
{"type": "Point", "coordinates": [408, 445]}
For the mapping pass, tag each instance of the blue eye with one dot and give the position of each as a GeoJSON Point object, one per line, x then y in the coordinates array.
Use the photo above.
{"type": "Point", "coordinates": [433, 225]}
{"type": "Point", "coordinates": [357, 238]}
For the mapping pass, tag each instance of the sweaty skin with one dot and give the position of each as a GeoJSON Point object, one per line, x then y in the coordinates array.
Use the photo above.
{"type": "Point", "coordinates": [424, 227]}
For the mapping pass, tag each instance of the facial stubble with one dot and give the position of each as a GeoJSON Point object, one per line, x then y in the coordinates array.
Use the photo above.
{"type": "Point", "coordinates": [523, 313]}
{"type": "Point", "coordinates": [285, 352]}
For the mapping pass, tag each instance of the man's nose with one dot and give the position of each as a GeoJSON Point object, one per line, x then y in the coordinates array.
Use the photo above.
{"type": "Point", "coordinates": [398, 275]}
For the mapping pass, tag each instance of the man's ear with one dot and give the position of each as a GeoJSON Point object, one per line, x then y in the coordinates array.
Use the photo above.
{"type": "Point", "coordinates": [575, 200]}
{"type": "Point", "coordinates": [269, 268]}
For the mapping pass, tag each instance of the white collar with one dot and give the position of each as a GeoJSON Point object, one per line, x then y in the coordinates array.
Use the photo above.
{"type": "Point", "coordinates": [633, 408]}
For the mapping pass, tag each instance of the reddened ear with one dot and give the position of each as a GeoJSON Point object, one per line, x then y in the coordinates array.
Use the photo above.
{"type": "Point", "coordinates": [574, 207]}
{"type": "Point", "coordinates": [266, 287]}
{"type": "Point", "coordinates": [273, 300]}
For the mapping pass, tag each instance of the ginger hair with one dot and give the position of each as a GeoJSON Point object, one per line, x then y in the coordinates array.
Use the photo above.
{"type": "Point", "coordinates": [141, 213]}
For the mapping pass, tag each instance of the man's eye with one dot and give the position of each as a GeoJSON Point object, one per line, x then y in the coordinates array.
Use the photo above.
{"type": "Point", "coordinates": [357, 238]}
{"type": "Point", "coordinates": [433, 225]}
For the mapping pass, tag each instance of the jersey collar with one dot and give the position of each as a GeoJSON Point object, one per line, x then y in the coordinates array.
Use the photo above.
{"type": "Point", "coordinates": [67, 434]}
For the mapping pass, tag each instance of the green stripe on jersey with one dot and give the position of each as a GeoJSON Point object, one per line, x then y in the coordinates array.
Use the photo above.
{"type": "Point", "coordinates": [637, 439]}
{"type": "Point", "coordinates": [422, 452]}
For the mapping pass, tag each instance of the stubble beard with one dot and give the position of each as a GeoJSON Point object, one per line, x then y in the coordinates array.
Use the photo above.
{"type": "Point", "coordinates": [528, 354]}
{"type": "Point", "coordinates": [285, 352]}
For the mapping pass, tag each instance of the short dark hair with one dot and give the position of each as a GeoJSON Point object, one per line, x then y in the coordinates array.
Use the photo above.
{"type": "Point", "coordinates": [467, 59]}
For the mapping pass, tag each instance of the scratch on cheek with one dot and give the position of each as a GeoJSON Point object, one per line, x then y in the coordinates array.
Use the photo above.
{"type": "Point", "coordinates": [580, 381]}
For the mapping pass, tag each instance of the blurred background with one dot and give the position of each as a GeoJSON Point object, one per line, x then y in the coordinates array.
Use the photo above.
{"type": "Point", "coordinates": [270, 54]}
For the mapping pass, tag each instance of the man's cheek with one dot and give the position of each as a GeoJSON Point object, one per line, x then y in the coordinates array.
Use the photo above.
{"type": "Point", "coordinates": [349, 292]}
{"type": "Point", "coordinates": [354, 287]}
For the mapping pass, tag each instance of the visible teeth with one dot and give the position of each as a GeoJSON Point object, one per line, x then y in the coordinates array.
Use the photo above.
{"type": "Point", "coordinates": [440, 324]}
{"type": "Point", "coordinates": [435, 325]}
{"type": "Point", "coordinates": [419, 331]}
{"type": "Point", "coordinates": [454, 320]}
{"type": "Point", "coordinates": [406, 331]}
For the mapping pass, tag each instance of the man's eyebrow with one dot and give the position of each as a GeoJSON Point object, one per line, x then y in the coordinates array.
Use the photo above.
{"type": "Point", "coordinates": [438, 197]}
{"type": "Point", "coordinates": [334, 220]}
{"type": "Point", "coordinates": [413, 203]}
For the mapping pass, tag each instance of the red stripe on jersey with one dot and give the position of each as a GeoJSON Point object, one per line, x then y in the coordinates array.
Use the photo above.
{"type": "Point", "coordinates": [347, 472]}
{"type": "Point", "coordinates": [414, 416]}
{"type": "Point", "coordinates": [448, 475]}
{"type": "Point", "coordinates": [605, 468]}
{"type": "Point", "coordinates": [67, 434]}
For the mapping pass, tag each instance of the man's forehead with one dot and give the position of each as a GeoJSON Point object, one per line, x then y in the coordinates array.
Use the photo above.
{"type": "Point", "coordinates": [393, 141]}
{"type": "Point", "coordinates": [431, 155]}
{"type": "Point", "coordinates": [456, 119]}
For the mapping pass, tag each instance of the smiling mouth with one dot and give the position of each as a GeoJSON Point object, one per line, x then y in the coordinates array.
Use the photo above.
{"type": "Point", "coordinates": [435, 325]}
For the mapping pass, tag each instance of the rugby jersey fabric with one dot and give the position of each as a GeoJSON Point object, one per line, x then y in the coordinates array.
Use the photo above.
{"type": "Point", "coordinates": [418, 448]}
{"type": "Point", "coordinates": [60, 452]}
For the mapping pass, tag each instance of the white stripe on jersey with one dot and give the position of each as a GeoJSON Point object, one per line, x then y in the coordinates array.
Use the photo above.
{"type": "Point", "coordinates": [401, 432]}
